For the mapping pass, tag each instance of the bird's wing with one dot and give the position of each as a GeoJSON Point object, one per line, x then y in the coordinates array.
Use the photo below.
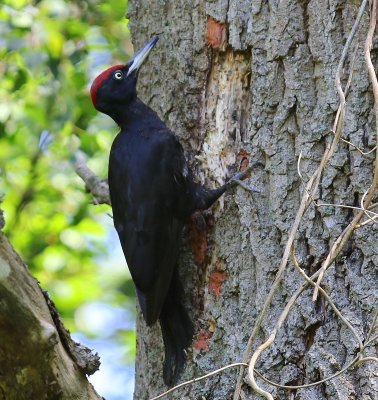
{"type": "Point", "coordinates": [150, 244]}
{"type": "Point", "coordinates": [144, 210]}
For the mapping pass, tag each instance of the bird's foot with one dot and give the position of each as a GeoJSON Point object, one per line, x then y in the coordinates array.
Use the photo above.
{"type": "Point", "coordinates": [249, 188]}
{"type": "Point", "coordinates": [237, 179]}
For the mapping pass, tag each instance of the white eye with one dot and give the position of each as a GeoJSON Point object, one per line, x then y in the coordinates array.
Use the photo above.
{"type": "Point", "coordinates": [118, 75]}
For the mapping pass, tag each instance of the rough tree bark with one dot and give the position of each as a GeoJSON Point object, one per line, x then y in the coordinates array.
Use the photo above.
{"type": "Point", "coordinates": [240, 81]}
{"type": "Point", "coordinates": [38, 359]}
{"type": "Point", "coordinates": [254, 81]}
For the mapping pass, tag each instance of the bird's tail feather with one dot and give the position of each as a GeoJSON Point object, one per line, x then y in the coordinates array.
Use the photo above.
{"type": "Point", "coordinates": [177, 330]}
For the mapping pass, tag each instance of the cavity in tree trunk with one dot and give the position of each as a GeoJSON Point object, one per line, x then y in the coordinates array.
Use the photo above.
{"type": "Point", "coordinates": [249, 81]}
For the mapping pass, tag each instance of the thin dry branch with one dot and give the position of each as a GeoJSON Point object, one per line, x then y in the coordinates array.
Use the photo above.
{"type": "Point", "coordinates": [370, 218]}
{"type": "Point", "coordinates": [371, 215]}
{"type": "Point", "coordinates": [308, 385]}
{"type": "Point", "coordinates": [324, 293]}
{"type": "Point", "coordinates": [97, 187]}
{"type": "Point", "coordinates": [373, 325]}
{"type": "Point", "coordinates": [344, 237]}
{"type": "Point", "coordinates": [194, 380]}
{"type": "Point", "coordinates": [365, 359]}
{"type": "Point", "coordinates": [310, 190]}
{"type": "Point", "coordinates": [269, 341]}
{"type": "Point", "coordinates": [355, 362]}
{"type": "Point", "coordinates": [282, 318]}
{"type": "Point", "coordinates": [364, 153]}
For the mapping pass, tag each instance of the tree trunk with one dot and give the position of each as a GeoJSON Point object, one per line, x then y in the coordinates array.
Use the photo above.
{"type": "Point", "coordinates": [254, 81]}
{"type": "Point", "coordinates": [38, 359]}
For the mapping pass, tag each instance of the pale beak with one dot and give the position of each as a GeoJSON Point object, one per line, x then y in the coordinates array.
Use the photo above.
{"type": "Point", "coordinates": [141, 55]}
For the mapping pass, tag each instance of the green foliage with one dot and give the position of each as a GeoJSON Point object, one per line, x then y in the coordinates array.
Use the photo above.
{"type": "Point", "coordinates": [50, 51]}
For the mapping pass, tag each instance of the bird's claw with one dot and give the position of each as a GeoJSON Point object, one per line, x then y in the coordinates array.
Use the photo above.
{"type": "Point", "coordinates": [249, 188]}
{"type": "Point", "coordinates": [237, 179]}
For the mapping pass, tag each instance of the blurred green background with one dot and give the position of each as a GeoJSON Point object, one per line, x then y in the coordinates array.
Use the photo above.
{"type": "Point", "coordinates": [50, 52]}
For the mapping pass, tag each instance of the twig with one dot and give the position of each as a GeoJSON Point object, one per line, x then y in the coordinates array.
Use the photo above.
{"type": "Point", "coordinates": [356, 361]}
{"type": "Point", "coordinates": [366, 212]}
{"type": "Point", "coordinates": [97, 187]}
{"type": "Point", "coordinates": [370, 214]}
{"type": "Point", "coordinates": [217, 371]}
{"type": "Point", "coordinates": [304, 204]}
{"type": "Point", "coordinates": [364, 153]}
{"type": "Point", "coordinates": [254, 359]}
{"type": "Point", "coordinates": [370, 341]}
{"type": "Point", "coordinates": [373, 324]}
{"type": "Point", "coordinates": [324, 293]}
{"type": "Point", "coordinates": [282, 318]}
{"type": "Point", "coordinates": [344, 237]}
{"type": "Point", "coordinates": [307, 385]}
{"type": "Point", "coordinates": [249, 188]}
{"type": "Point", "coordinates": [373, 218]}
{"type": "Point", "coordinates": [362, 360]}
{"type": "Point", "coordinates": [311, 188]}
{"type": "Point", "coordinates": [270, 340]}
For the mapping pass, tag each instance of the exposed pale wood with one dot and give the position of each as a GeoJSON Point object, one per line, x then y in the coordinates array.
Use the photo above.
{"type": "Point", "coordinates": [267, 94]}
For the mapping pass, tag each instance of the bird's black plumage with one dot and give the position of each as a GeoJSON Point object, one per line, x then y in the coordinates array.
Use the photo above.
{"type": "Point", "coordinates": [153, 194]}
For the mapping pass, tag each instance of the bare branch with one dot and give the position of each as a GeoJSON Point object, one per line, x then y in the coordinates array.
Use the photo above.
{"type": "Point", "coordinates": [364, 153]}
{"type": "Point", "coordinates": [97, 187]}
{"type": "Point", "coordinates": [310, 190]}
{"type": "Point", "coordinates": [344, 237]}
{"type": "Point", "coordinates": [217, 371]}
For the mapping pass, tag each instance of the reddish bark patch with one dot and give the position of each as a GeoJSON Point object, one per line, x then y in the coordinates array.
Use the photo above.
{"type": "Point", "coordinates": [202, 340]}
{"type": "Point", "coordinates": [216, 34]}
{"type": "Point", "coordinates": [198, 237]}
{"type": "Point", "coordinates": [243, 158]}
{"type": "Point", "coordinates": [216, 280]}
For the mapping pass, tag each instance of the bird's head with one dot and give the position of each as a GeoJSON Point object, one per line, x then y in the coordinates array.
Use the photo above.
{"type": "Point", "coordinates": [115, 88]}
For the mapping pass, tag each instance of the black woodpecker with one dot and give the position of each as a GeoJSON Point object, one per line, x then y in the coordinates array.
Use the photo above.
{"type": "Point", "coordinates": [153, 194]}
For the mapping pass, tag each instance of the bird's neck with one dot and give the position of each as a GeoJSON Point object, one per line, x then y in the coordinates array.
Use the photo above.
{"type": "Point", "coordinates": [136, 110]}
